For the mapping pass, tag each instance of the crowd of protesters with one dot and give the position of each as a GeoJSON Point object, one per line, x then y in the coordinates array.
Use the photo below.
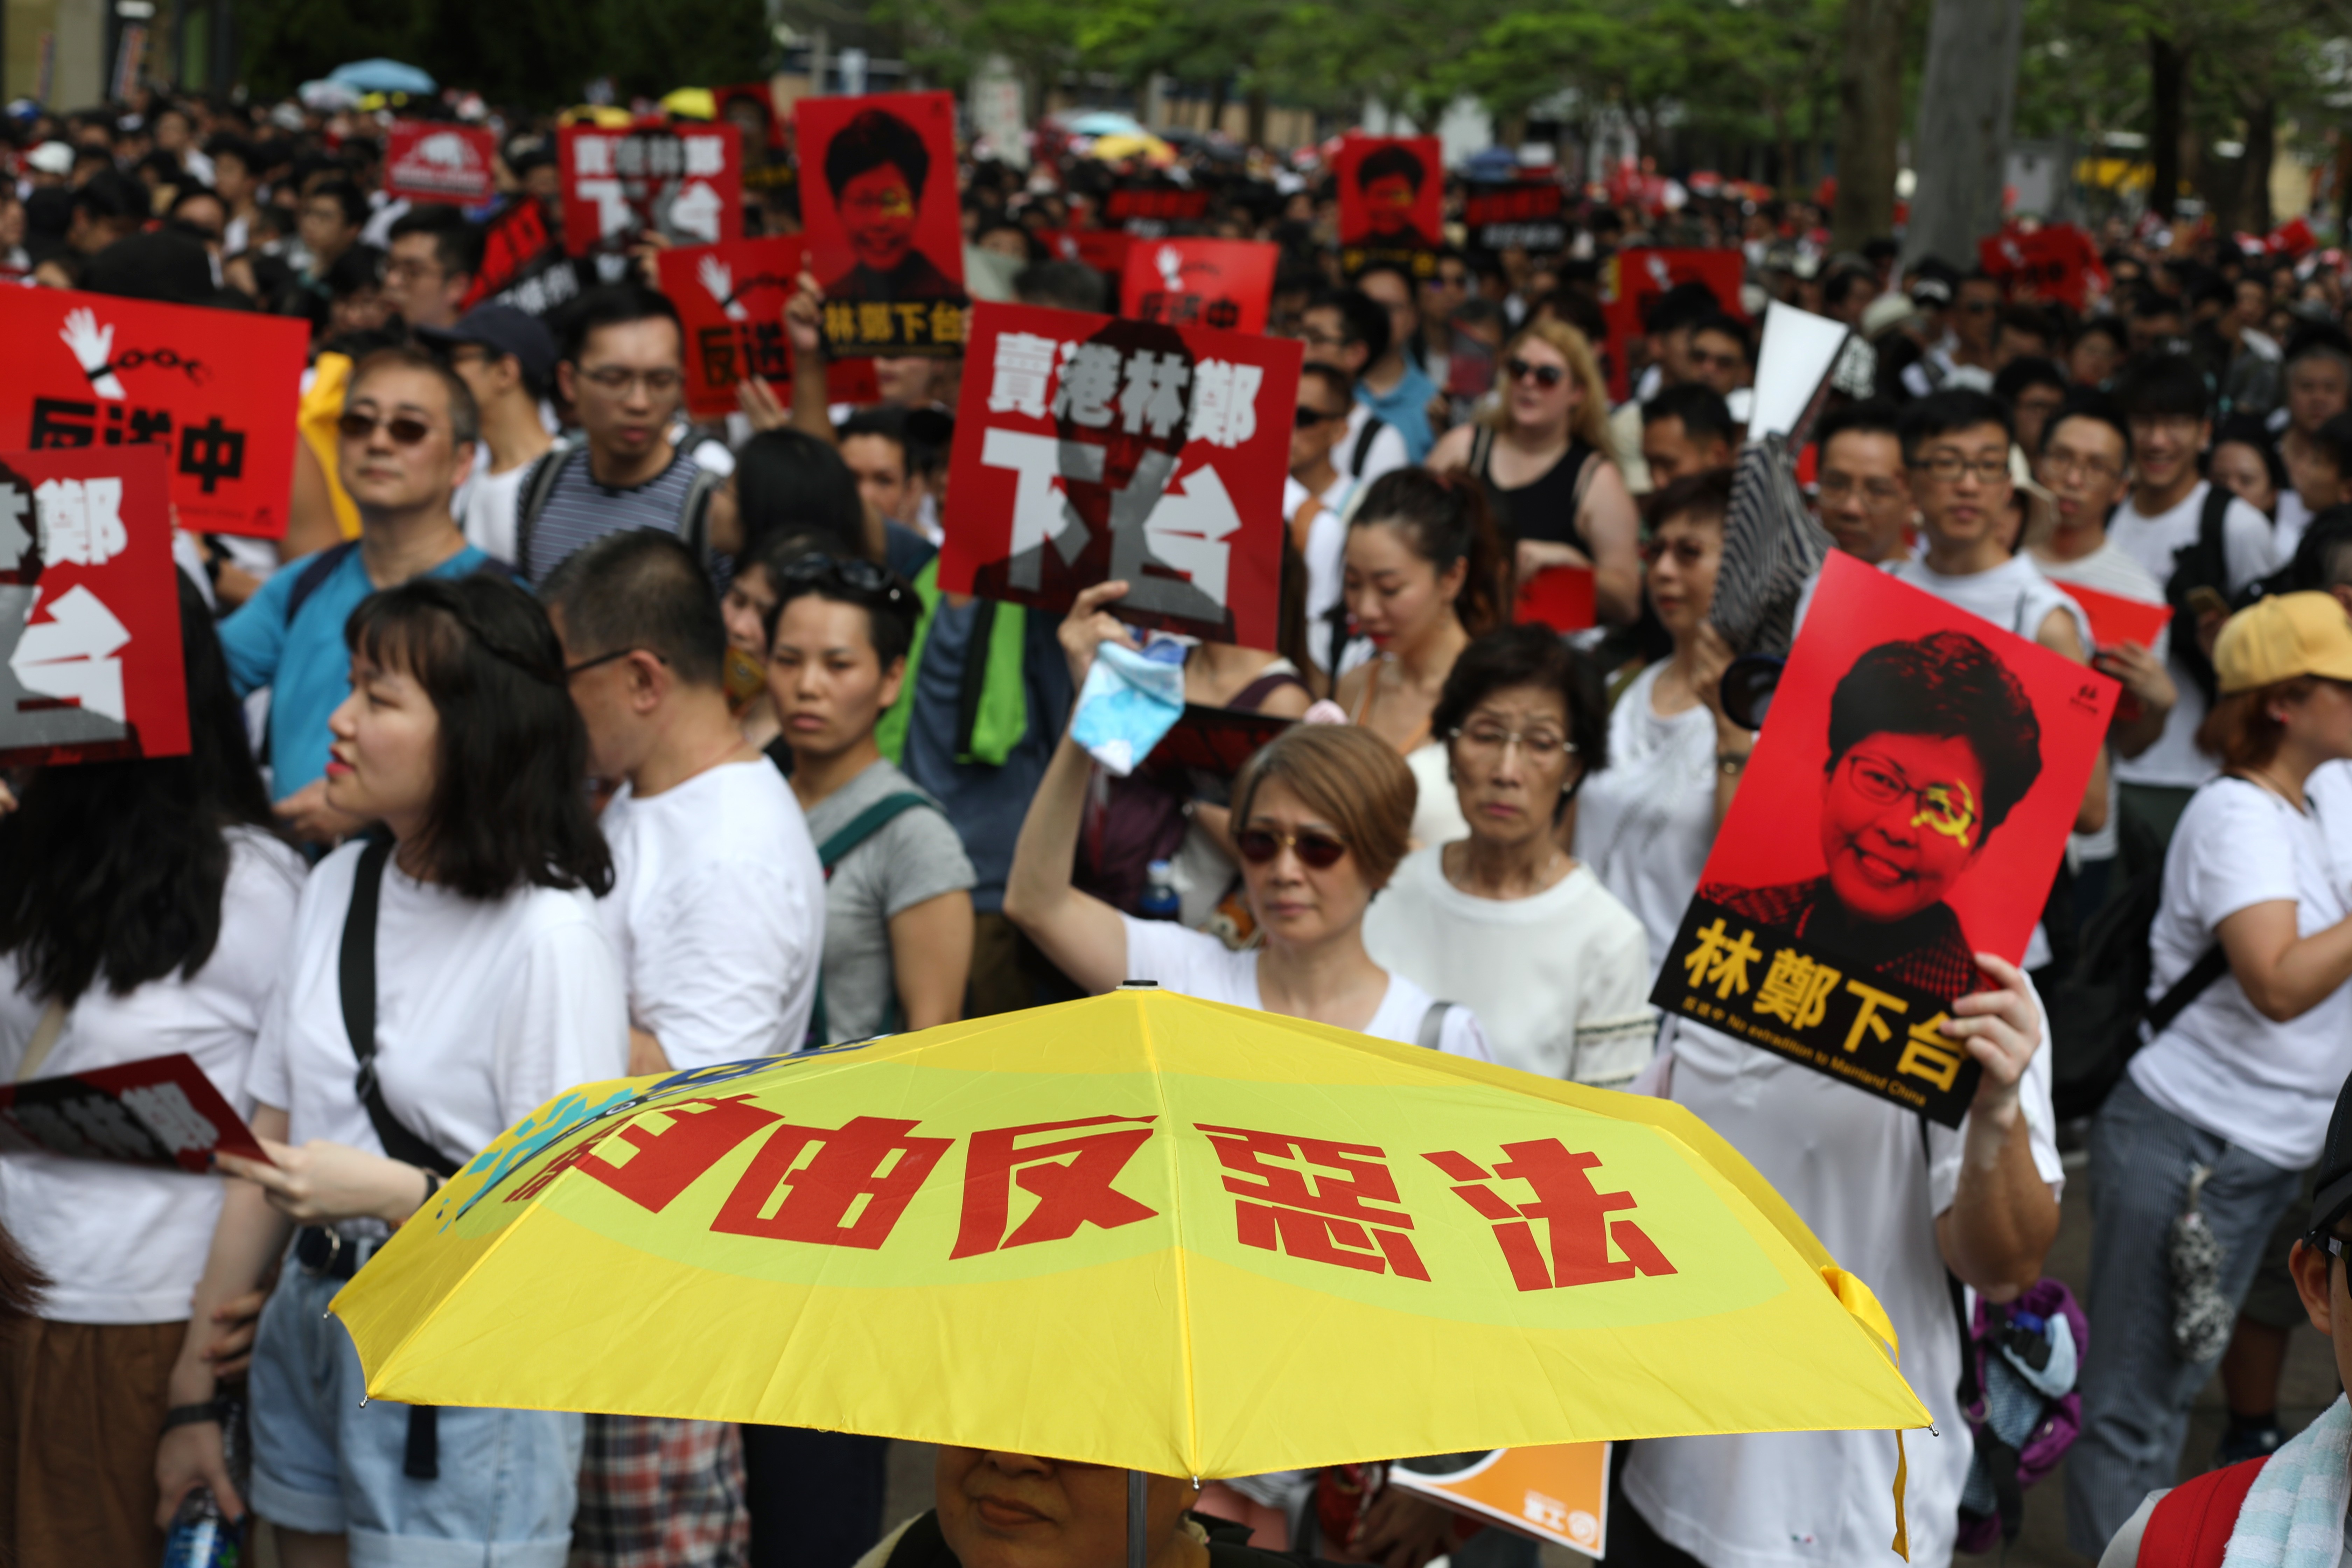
{"type": "Point", "coordinates": [624, 743]}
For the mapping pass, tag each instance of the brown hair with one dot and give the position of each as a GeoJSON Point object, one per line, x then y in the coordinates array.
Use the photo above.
{"type": "Point", "coordinates": [1443, 517]}
{"type": "Point", "coordinates": [1705, 496]}
{"type": "Point", "coordinates": [1351, 778]}
{"type": "Point", "coordinates": [2239, 729]}
{"type": "Point", "coordinates": [1589, 420]}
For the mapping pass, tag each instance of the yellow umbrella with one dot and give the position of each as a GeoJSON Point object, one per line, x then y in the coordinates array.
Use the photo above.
{"type": "Point", "coordinates": [1121, 144]}
{"type": "Point", "coordinates": [1140, 1230]}
{"type": "Point", "coordinates": [691, 103]}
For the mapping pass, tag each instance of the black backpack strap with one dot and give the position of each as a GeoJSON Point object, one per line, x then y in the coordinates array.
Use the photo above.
{"type": "Point", "coordinates": [537, 487]}
{"type": "Point", "coordinates": [694, 517]}
{"type": "Point", "coordinates": [1361, 451]}
{"type": "Point", "coordinates": [2187, 989]}
{"type": "Point", "coordinates": [356, 973]}
{"type": "Point", "coordinates": [314, 574]}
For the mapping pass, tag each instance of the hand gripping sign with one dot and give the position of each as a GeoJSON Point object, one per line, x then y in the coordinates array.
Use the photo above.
{"type": "Point", "coordinates": [1905, 809]}
{"type": "Point", "coordinates": [89, 609]}
{"type": "Point", "coordinates": [162, 1110]}
{"type": "Point", "coordinates": [684, 183]}
{"type": "Point", "coordinates": [214, 389]}
{"type": "Point", "coordinates": [1224, 283]}
{"type": "Point", "coordinates": [878, 201]}
{"type": "Point", "coordinates": [730, 299]}
{"type": "Point", "coordinates": [1090, 447]}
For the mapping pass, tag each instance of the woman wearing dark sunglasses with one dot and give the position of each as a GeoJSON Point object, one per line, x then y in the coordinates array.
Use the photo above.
{"type": "Point", "coordinates": [1319, 816]}
{"type": "Point", "coordinates": [1544, 456]}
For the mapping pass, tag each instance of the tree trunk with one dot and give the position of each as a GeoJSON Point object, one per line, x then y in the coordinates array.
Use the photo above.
{"type": "Point", "coordinates": [2254, 168]}
{"type": "Point", "coordinates": [2167, 77]}
{"type": "Point", "coordinates": [1217, 97]}
{"type": "Point", "coordinates": [1785, 150]}
{"type": "Point", "coordinates": [1870, 119]}
{"type": "Point", "coordinates": [1968, 95]}
{"type": "Point", "coordinates": [1257, 127]}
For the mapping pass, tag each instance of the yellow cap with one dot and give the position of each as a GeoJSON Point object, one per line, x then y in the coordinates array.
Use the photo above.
{"type": "Point", "coordinates": [2280, 638]}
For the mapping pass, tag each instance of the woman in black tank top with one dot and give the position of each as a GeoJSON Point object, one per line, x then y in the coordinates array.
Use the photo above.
{"type": "Point", "coordinates": [1546, 465]}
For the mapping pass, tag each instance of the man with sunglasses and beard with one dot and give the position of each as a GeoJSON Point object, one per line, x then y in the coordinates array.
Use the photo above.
{"type": "Point", "coordinates": [404, 443]}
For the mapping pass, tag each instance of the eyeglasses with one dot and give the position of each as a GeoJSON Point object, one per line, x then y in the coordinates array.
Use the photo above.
{"type": "Point", "coordinates": [620, 378]}
{"type": "Point", "coordinates": [859, 576]}
{"type": "Point", "coordinates": [1883, 492]}
{"type": "Point", "coordinates": [1540, 745]}
{"type": "Point", "coordinates": [1516, 369]}
{"type": "Point", "coordinates": [1324, 339]}
{"type": "Point", "coordinates": [1945, 807]}
{"type": "Point", "coordinates": [1947, 468]}
{"type": "Point", "coordinates": [1307, 418]}
{"type": "Point", "coordinates": [406, 429]}
{"type": "Point", "coordinates": [1688, 552]}
{"type": "Point", "coordinates": [1260, 845]}
{"type": "Point", "coordinates": [2058, 460]}
{"type": "Point", "coordinates": [587, 664]}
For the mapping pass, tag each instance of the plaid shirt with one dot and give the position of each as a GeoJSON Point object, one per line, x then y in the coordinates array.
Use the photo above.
{"type": "Point", "coordinates": [661, 1493]}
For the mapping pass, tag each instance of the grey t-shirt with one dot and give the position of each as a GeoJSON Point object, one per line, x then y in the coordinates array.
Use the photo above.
{"type": "Point", "coordinates": [913, 858]}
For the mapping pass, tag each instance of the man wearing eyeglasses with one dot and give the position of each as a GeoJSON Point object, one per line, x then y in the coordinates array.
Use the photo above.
{"type": "Point", "coordinates": [624, 372]}
{"type": "Point", "coordinates": [404, 443]}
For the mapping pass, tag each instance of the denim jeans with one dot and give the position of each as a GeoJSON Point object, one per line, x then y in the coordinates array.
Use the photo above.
{"type": "Point", "coordinates": [2135, 1392]}
{"type": "Point", "coordinates": [323, 1463]}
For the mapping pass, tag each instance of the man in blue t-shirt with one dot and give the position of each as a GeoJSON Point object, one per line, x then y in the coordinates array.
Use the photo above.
{"type": "Point", "coordinates": [405, 443]}
{"type": "Point", "coordinates": [1395, 388]}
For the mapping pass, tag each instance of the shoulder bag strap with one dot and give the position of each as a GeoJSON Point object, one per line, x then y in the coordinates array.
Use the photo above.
{"type": "Point", "coordinates": [1362, 452]}
{"type": "Point", "coordinates": [693, 519]}
{"type": "Point", "coordinates": [537, 486]}
{"type": "Point", "coordinates": [865, 825]}
{"type": "Point", "coordinates": [356, 973]}
{"type": "Point", "coordinates": [2190, 1527]}
{"type": "Point", "coordinates": [2187, 989]}
{"type": "Point", "coordinates": [1433, 1025]}
{"type": "Point", "coordinates": [45, 1036]}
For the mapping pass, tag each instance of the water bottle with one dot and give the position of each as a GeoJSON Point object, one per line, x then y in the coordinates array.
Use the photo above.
{"type": "Point", "coordinates": [1160, 899]}
{"type": "Point", "coordinates": [203, 1535]}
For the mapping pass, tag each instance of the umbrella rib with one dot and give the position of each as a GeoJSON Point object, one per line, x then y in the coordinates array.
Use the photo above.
{"type": "Point", "coordinates": [1176, 1223]}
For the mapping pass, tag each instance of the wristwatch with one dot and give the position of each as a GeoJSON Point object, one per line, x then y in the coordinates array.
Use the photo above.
{"type": "Point", "coordinates": [211, 1411]}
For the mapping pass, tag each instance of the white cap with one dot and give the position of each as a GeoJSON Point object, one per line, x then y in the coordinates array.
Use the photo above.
{"type": "Point", "coordinates": [51, 157]}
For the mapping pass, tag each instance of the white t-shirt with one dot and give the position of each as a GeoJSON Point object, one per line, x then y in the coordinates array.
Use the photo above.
{"type": "Point", "coordinates": [1325, 556]}
{"type": "Point", "coordinates": [1193, 964]}
{"type": "Point", "coordinates": [125, 1244]}
{"type": "Point", "coordinates": [489, 510]}
{"type": "Point", "coordinates": [2268, 1088]}
{"type": "Point", "coordinates": [485, 1010]}
{"type": "Point", "coordinates": [718, 913]}
{"type": "Point", "coordinates": [2173, 761]}
{"type": "Point", "coordinates": [2294, 515]}
{"type": "Point", "coordinates": [1386, 450]}
{"type": "Point", "coordinates": [2108, 570]}
{"type": "Point", "coordinates": [1645, 823]}
{"type": "Point", "coordinates": [1860, 1174]}
{"type": "Point", "coordinates": [1559, 981]}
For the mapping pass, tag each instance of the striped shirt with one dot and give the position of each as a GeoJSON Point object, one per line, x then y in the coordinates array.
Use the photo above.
{"type": "Point", "coordinates": [579, 510]}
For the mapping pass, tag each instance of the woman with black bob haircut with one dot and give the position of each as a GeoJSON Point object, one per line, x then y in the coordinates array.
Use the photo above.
{"type": "Point", "coordinates": [456, 953]}
{"type": "Point", "coordinates": [789, 482]}
{"type": "Point", "coordinates": [1932, 744]}
{"type": "Point", "coordinates": [1505, 920]}
{"type": "Point", "coordinates": [145, 906]}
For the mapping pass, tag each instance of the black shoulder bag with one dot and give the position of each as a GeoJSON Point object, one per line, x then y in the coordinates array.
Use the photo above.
{"type": "Point", "coordinates": [420, 1461]}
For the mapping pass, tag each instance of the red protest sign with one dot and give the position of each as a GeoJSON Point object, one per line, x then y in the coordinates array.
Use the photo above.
{"type": "Point", "coordinates": [730, 299]}
{"type": "Point", "coordinates": [1559, 597]}
{"type": "Point", "coordinates": [2057, 261]}
{"type": "Point", "coordinates": [751, 108]}
{"type": "Point", "coordinates": [1522, 214]}
{"type": "Point", "coordinates": [89, 608]}
{"type": "Point", "coordinates": [1150, 207]}
{"type": "Point", "coordinates": [162, 1110]}
{"type": "Point", "coordinates": [1634, 278]}
{"type": "Point", "coordinates": [1904, 808]}
{"type": "Point", "coordinates": [1089, 447]}
{"type": "Point", "coordinates": [1104, 249]}
{"type": "Point", "coordinates": [1392, 202]}
{"type": "Point", "coordinates": [216, 389]}
{"type": "Point", "coordinates": [2116, 619]}
{"type": "Point", "coordinates": [682, 182]}
{"type": "Point", "coordinates": [1224, 283]}
{"type": "Point", "coordinates": [430, 161]}
{"type": "Point", "coordinates": [885, 233]}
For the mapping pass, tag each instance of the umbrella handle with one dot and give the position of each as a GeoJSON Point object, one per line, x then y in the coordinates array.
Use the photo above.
{"type": "Point", "coordinates": [1136, 1485]}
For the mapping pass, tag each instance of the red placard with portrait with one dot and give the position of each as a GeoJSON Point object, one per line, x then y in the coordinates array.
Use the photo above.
{"type": "Point", "coordinates": [880, 207]}
{"type": "Point", "coordinates": [89, 608]}
{"type": "Point", "coordinates": [1223, 283]}
{"type": "Point", "coordinates": [1392, 202]}
{"type": "Point", "coordinates": [1904, 808]}
{"type": "Point", "coordinates": [1089, 447]}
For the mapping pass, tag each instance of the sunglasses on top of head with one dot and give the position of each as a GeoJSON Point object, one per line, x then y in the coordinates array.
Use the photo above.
{"type": "Point", "coordinates": [1544, 375]}
{"type": "Point", "coordinates": [1260, 845]}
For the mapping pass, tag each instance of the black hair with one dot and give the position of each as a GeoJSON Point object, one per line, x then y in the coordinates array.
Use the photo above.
{"type": "Point", "coordinates": [1701, 409]}
{"type": "Point", "coordinates": [361, 266]}
{"type": "Point", "coordinates": [190, 191]}
{"type": "Point", "coordinates": [2320, 338]}
{"type": "Point", "coordinates": [1446, 520]}
{"type": "Point", "coordinates": [2027, 370]}
{"type": "Point", "coordinates": [464, 415]}
{"type": "Point", "coordinates": [2105, 327]}
{"type": "Point", "coordinates": [1362, 318]}
{"type": "Point", "coordinates": [346, 195]}
{"type": "Point", "coordinates": [1683, 305]}
{"type": "Point", "coordinates": [2149, 304]}
{"type": "Point", "coordinates": [1706, 493]}
{"type": "Point", "coordinates": [2031, 320]}
{"type": "Point", "coordinates": [640, 588]}
{"type": "Point", "coordinates": [2323, 557]}
{"type": "Point", "coordinates": [884, 420]}
{"type": "Point", "coordinates": [225, 144]}
{"type": "Point", "coordinates": [615, 305]}
{"type": "Point", "coordinates": [457, 244]}
{"type": "Point", "coordinates": [873, 138]}
{"type": "Point", "coordinates": [2083, 403]}
{"type": "Point", "coordinates": [1948, 413]}
{"type": "Point", "coordinates": [1946, 685]}
{"type": "Point", "coordinates": [1333, 378]}
{"type": "Point", "coordinates": [1383, 162]}
{"type": "Point", "coordinates": [2162, 385]}
{"type": "Point", "coordinates": [888, 600]}
{"type": "Point", "coordinates": [788, 481]}
{"type": "Point", "coordinates": [509, 805]}
{"type": "Point", "coordinates": [1063, 285]}
{"type": "Point", "coordinates": [2251, 430]}
{"type": "Point", "coordinates": [1845, 281]}
{"type": "Point", "coordinates": [1536, 655]}
{"type": "Point", "coordinates": [114, 870]}
{"type": "Point", "coordinates": [110, 194]}
{"type": "Point", "coordinates": [1722, 323]}
{"type": "Point", "coordinates": [1870, 416]}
